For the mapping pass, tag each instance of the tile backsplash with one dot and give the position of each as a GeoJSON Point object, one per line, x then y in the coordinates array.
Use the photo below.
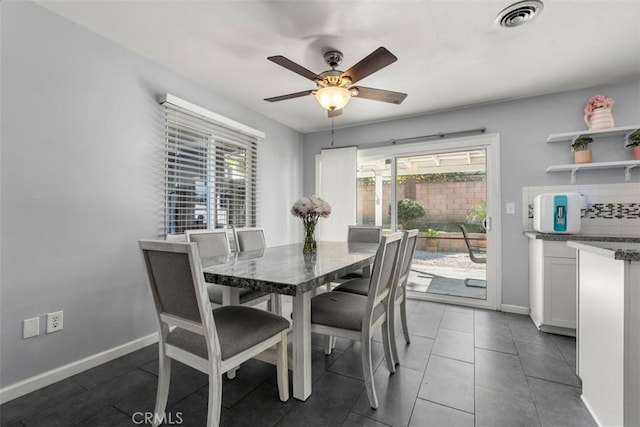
{"type": "Point", "coordinates": [612, 209]}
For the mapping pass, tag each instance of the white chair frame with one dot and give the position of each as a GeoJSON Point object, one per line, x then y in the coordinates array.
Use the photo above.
{"type": "Point", "coordinates": [213, 366]}
{"type": "Point", "coordinates": [275, 304]}
{"type": "Point", "coordinates": [399, 297]}
{"type": "Point", "coordinates": [370, 325]}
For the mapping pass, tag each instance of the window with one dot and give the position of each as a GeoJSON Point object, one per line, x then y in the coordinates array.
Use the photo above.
{"type": "Point", "coordinates": [210, 166]}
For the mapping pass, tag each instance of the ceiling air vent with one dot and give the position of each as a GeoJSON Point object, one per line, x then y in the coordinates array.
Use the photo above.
{"type": "Point", "coordinates": [519, 13]}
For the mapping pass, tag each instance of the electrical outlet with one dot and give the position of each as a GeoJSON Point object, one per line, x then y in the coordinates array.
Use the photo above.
{"type": "Point", "coordinates": [54, 322]}
{"type": "Point", "coordinates": [31, 327]}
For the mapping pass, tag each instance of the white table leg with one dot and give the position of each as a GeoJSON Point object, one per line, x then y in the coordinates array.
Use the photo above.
{"type": "Point", "coordinates": [230, 295]}
{"type": "Point", "coordinates": [302, 346]}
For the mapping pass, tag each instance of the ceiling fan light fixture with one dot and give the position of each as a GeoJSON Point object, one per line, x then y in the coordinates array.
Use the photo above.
{"type": "Point", "coordinates": [333, 97]}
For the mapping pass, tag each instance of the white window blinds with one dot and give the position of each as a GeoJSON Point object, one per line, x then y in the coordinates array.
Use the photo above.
{"type": "Point", "coordinates": [210, 169]}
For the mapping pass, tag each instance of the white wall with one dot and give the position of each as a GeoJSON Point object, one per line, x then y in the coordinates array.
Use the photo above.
{"type": "Point", "coordinates": [524, 126]}
{"type": "Point", "coordinates": [81, 135]}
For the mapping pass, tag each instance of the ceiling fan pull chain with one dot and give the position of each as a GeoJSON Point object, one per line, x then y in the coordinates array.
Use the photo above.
{"type": "Point", "coordinates": [332, 131]}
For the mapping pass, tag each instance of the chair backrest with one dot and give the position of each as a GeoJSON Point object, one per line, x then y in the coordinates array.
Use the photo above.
{"type": "Point", "coordinates": [472, 255]}
{"type": "Point", "coordinates": [179, 292]}
{"type": "Point", "coordinates": [249, 239]}
{"type": "Point", "coordinates": [407, 249]}
{"type": "Point", "coordinates": [385, 271]}
{"type": "Point", "coordinates": [364, 234]}
{"type": "Point", "coordinates": [211, 243]}
{"type": "Point", "coordinates": [411, 239]}
{"type": "Point", "coordinates": [173, 270]}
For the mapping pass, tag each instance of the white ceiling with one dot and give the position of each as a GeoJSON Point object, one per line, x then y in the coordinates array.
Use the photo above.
{"type": "Point", "coordinates": [450, 52]}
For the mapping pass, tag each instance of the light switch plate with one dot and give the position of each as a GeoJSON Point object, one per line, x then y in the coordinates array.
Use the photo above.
{"type": "Point", "coordinates": [510, 208]}
{"type": "Point", "coordinates": [31, 327]}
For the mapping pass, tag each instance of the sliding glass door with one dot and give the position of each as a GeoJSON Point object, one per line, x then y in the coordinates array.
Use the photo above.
{"type": "Point", "coordinates": [444, 192]}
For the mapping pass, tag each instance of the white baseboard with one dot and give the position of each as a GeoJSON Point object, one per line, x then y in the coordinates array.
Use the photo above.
{"type": "Point", "coordinates": [58, 374]}
{"type": "Point", "coordinates": [586, 404]}
{"type": "Point", "coordinates": [517, 309]}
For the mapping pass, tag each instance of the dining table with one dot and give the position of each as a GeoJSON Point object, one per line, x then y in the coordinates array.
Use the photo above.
{"type": "Point", "coordinates": [286, 270]}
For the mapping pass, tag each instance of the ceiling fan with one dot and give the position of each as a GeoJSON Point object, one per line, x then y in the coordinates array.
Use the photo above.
{"type": "Point", "coordinates": [334, 87]}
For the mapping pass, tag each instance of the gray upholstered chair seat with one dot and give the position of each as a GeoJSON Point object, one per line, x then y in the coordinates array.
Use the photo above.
{"type": "Point", "coordinates": [341, 310]}
{"type": "Point", "coordinates": [238, 327]}
{"type": "Point", "coordinates": [246, 295]}
{"type": "Point", "coordinates": [355, 286]}
{"type": "Point", "coordinates": [354, 275]}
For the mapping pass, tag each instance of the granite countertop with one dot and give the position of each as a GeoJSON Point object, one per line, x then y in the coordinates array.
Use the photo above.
{"type": "Point", "coordinates": [580, 237]}
{"type": "Point", "coordinates": [616, 250]}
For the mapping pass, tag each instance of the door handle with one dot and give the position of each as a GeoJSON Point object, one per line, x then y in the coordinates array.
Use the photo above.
{"type": "Point", "coordinates": [487, 223]}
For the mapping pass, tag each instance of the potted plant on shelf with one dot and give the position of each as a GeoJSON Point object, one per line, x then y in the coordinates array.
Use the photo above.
{"type": "Point", "coordinates": [633, 142]}
{"type": "Point", "coordinates": [581, 153]}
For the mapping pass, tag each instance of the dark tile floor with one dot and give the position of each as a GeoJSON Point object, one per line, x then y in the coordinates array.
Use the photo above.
{"type": "Point", "coordinates": [464, 367]}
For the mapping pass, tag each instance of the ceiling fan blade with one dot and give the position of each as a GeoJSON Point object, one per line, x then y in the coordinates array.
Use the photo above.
{"type": "Point", "coordinates": [289, 96]}
{"type": "Point", "coordinates": [292, 66]}
{"type": "Point", "coordinates": [376, 60]}
{"type": "Point", "coordinates": [379, 94]}
{"type": "Point", "coordinates": [334, 113]}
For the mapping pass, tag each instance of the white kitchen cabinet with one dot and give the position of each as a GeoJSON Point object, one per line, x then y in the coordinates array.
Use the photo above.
{"type": "Point", "coordinates": [608, 359]}
{"type": "Point", "coordinates": [552, 286]}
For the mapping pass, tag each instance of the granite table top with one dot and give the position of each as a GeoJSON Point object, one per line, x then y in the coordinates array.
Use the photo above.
{"type": "Point", "coordinates": [285, 269]}
{"type": "Point", "coordinates": [616, 250]}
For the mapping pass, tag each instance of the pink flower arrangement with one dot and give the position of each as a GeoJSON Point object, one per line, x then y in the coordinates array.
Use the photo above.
{"type": "Point", "coordinates": [598, 101]}
{"type": "Point", "coordinates": [311, 208]}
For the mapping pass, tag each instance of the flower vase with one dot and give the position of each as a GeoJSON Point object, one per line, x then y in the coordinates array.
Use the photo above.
{"type": "Point", "coordinates": [600, 118]}
{"type": "Point", "coordinates": [310, 246]}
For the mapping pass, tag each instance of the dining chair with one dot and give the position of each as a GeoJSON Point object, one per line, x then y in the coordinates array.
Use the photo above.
{"type": "Point", "coordinates": [362, 234]}
{"type": "Point", "coordinates": [399, 297]}
{"type": "Point", "coordinates": [357, 317]}
{"type": "Point", "coordinates": [249, 238]}
{"type": "Point", "coordinates": [252, 239]}
{"type": "Point", "coordinates": [215, 243]}
{"type": "Point", "coordinates": [477, 254]}
{"type": "Point", "coordinates": [192, 332]}
{"type": "Point", "coordinates": [400, 291]}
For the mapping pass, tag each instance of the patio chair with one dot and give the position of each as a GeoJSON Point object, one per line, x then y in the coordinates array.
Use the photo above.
{"type": "Point", "coordinates": [357, 317]}
{"type": "Point", "coordinates": [191, 332]}
{"type": "Point", "coordinates": [476, 253]}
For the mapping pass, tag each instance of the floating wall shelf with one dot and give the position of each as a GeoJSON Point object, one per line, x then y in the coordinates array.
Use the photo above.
{"type": "Point", "coordinates": [627, 165]}
{"type": "Point", "coordinates": [571, 136]}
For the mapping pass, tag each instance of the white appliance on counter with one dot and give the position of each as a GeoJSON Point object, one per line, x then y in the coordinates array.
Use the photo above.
{"type": "Point", "coordinates": [557, 212]}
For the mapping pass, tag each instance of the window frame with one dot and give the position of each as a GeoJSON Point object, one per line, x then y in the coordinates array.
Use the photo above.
{"type": "Point", "coordinates": [200, 143]}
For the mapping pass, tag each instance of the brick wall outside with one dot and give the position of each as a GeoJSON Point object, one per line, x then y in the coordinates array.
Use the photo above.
{"type": "Point", "coordinates": [442, 202]}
